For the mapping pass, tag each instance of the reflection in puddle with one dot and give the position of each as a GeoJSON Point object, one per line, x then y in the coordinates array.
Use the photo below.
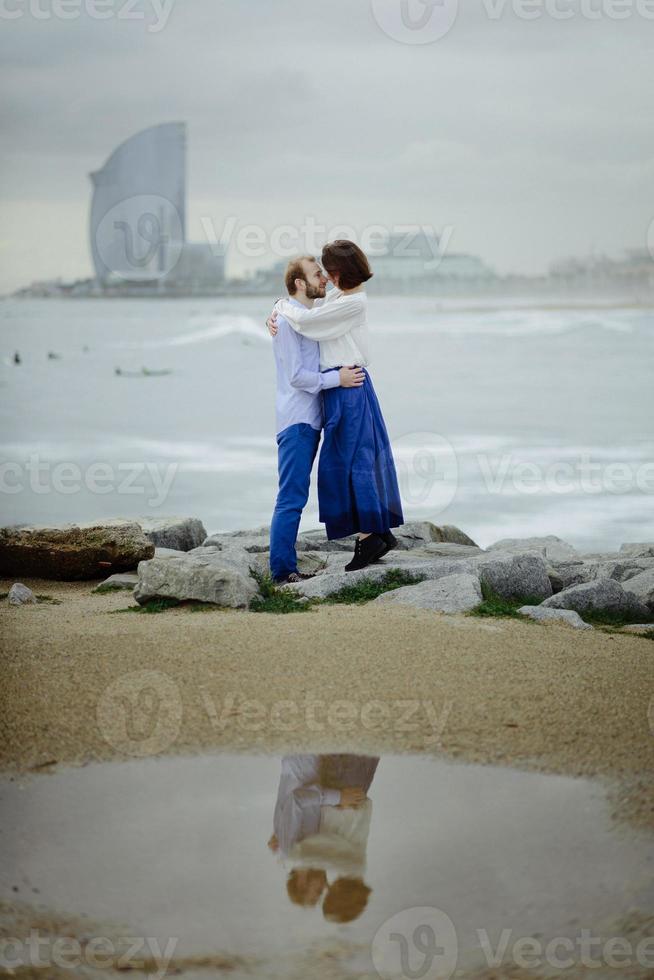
{"type": "Point", "coordinates": [227, 853]}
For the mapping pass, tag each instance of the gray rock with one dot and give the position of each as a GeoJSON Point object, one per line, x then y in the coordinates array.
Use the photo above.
{"type": "Point", "coordinates": [549, 546]}
{"type": "Point", "coordinates": [255, 541]}
{"type": "Point", "coordinates": [308, 562]}
{"type": "Point", "coordinates": [602, 595]}
{"type": "Point", "coordinates": [638, 550]}
{"type": "Point", "coordinates": [73, 552]}
{"type": "Point", "coordinates": [316, 540]}
{"type": "Point", "coordinates": [414, 534]}
{"type": "Point", "coordinates": [515, 576]}
{"type": "Point", "coordinates": [620, 569]}
{"type": "Point", "coordinates": [20, 595]}
{"type": "Point", "coordinates": [123, 580]}
{"type": "Point", "coordinates": [219, 576]}
{"type": "Point", "coordinates": [642, 586]}
{"type": "Point", "coordinates": [178, 533]}
{"type": "Point", "coordinates": [450, 549]}
{"type": "Point", "coordinates": [335, 578]}
{"type": "Point", "coordinates": [451, 594]}
{"type": "Point", "coordinates": [545, 614]}
{"type": "Point", "coordinates": [166, 552]}
{"type": "Point", "coordinates": [563, 574]}
{"type": "Point", "coordinates": [599, 556]}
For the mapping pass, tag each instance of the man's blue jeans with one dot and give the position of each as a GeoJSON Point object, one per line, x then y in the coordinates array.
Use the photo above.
{"type": "Point", "coordinates": [297, 447]}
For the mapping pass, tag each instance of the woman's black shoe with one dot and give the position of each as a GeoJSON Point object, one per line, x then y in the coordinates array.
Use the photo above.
{"type": "Point", "coordinates": [366, 551]}
{"type": "Point", "coordinates": [390, 542]}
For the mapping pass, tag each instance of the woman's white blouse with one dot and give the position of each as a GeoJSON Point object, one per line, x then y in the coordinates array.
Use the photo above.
{"type": "Point", "coordinates": [340, 324]}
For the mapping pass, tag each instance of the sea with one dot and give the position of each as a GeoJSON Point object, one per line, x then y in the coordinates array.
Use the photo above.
{"type": "Point", "coordinates": [506, 420]}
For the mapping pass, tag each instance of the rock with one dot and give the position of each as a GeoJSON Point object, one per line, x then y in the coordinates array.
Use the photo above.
{"type": "Point", "coordinates": [450, 549]}
{"type": "Point", "coordinates": [178, 533]}
{"type": "Point", "coordinates": [638, 628]}
{"type": "Point", "coordinates": [219, 576]}
{"type": "Point", "coordinates": [599, 556]}
{"type": "Point", "coordinates": [73, 552]}
{"type": "Point", "coordinates": [20, 595]}
{"type": "Point", "coordinates": [165, 552]}
{"type": "Point", "coordinates": [316, 540]}
{"type": "Point", "coordinates": [123, 580]}
{"type": "Point", "coordinates": [415, 534]}
{"type": "Point", "coordinates": [563, 574]}
{"type": "Point", "coordinates": [633, 550]}
{"type": "Point", "coordinates": [549, 546]}
{"type": "Point", "coordinates": [451, 594]}
{"type": "Point", "coordinates": [620, 569]}
{"type": "Point", "coordinates": [335, 578]}
{"type": "Point", "coordinates": [515, 576]}
{"type": "Point", "coordinates": [255, 541]}
{"type": "Point", "coordinates": [545, 614]}
{"type": "Point", "coordinates": [602, 595]}
{"type": "Point", "coordinates": [642, 586]}
{"type": "Point", "coordinates": [308, 562]}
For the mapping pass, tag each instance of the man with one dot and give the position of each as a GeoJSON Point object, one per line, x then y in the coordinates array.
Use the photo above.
{"type": "Point", "coordinates": [299, 415]}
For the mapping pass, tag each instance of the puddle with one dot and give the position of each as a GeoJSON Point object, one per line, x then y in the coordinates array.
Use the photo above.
{"type": "Point", "coordinates": [180, 848]}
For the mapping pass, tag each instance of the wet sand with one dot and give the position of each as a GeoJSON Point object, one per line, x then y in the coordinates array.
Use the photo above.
{"type": "Point", "coordinates": [362, 679]}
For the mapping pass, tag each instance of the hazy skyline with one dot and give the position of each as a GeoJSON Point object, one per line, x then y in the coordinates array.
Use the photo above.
{"type": "Point", "coordinates": [529, 139]}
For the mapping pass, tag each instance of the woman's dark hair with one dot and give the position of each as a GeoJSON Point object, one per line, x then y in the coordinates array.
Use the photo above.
{"type": "Point", "coordinates": [346, 260]}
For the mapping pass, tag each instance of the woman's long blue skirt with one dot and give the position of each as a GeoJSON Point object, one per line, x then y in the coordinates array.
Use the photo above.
{"type": "Point", "coordinates": [357, 481]}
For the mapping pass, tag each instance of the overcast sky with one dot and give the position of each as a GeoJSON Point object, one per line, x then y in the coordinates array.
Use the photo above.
{"type": "Point", "coordinates": [529, 139]}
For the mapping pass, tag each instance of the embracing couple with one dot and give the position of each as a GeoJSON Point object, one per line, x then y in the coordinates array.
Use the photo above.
{"type": "Point", "coordinates": [321, 348]}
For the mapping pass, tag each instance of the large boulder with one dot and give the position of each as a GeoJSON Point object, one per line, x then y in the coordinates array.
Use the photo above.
{"type": "Point", "coordinates": [417, 534]}
{"type": "Point", "coordinates": [72, 552]}
{"type": "Point", "coordinates": [451, 549]}
{"type": "Point", "coordinates": [574, 571]}
{"type": "Point", "coordinates": [218, 576]}
{"type": "Point", "coordinates": [515, 576]}
{"type": "Point", "coordinates": [548, 545]}
{"type": "Point", "coordinates": [563, 574]}
{"type": "Point", "coordinates": [638, 550]}
{"type": "Point", "coordinates": [308, 562]}
{"type": "Point", "coordinates": [603, 596]}
{"type": "Point", "coordinates": [255, 541]}
{"type": "Point", "coordinates": [316, 540]}
{"type": "Point", "coordinates": [544, 614]}
{"type": "Point", "coordinates": [414, 534]}
{"type": "Point", "coordinates": [178, 533]}
{"type": "Point", "coordinates": [642, 586]}
{"type": "Point", "coordinates": [451, 594]}
{"type": "Point", "coordinates": [620, 569]}
{"type": "Point", "coordinates": [335, 578]}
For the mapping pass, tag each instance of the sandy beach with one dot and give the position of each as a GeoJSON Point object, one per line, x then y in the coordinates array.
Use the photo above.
{"type": "Point", "coordinates": [339, 678]}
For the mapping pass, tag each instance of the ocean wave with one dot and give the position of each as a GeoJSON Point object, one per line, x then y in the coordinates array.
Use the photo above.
{"type": "Point", "coordinates": [216, 328]}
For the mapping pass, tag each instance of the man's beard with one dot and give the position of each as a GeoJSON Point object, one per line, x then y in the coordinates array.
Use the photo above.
{"type": "Point", "coordinates": [316, 292]}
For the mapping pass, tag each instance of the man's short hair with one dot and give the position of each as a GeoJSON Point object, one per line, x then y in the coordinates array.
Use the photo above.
{"type": "Point", "coordinates": [295, 270]}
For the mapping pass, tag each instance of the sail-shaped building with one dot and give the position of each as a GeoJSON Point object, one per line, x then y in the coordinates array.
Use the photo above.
{"type": "Point", "coordinates": [138, 219]}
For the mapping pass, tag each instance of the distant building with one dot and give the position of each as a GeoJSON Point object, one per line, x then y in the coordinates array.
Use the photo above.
{"type": "Point", "coordinates": [138, 220]}
{"type": "Point", "coordinates": [414, 261]}
{"type": "Point", "coordinates": [636, 269]}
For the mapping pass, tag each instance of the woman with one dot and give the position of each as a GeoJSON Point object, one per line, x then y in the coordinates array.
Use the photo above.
{"type": "Point", "coordinates": [358, 491]}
